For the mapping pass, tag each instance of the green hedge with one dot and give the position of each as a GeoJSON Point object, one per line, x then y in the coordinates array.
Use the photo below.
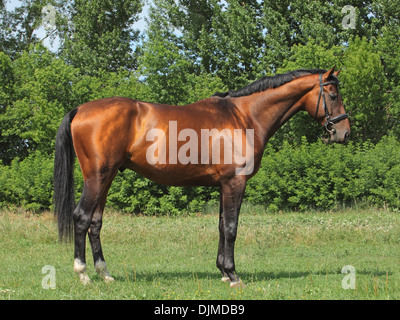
{"type": "Point", "coordinates": [132, 193]}
{"type": "Point", "coordinates": [317, 176]}
{"type": "Point", "coordinates": [27, 183]}
{"type": "Point", "coordinates": [308, 176]}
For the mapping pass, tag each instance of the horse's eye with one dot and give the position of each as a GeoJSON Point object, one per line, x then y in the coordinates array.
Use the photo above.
{"type": "Point", "coordinates": [333, 96]}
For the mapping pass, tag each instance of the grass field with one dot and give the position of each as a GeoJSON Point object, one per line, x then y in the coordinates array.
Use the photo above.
{"type": "Point", "coordinates": [279, 256]}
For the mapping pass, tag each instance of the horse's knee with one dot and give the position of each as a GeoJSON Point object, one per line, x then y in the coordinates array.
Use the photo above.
{"type": "Point", "coordinates": [77, 213]}
{"type": "Point", "coordinates": [95, 227]}
{"type": "Point", "coordinates": [230, 232]}
{"type": "Point", "coordinates": [81, 219]}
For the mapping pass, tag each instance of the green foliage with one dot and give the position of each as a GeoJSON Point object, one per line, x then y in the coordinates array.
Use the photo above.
{"type": "Point", "coordinates": [17, 27]}
{"type": "Point", "coordinates": [130, 192]}
{"type": "Point", "coordinates": [165, 68]}
{"type": "Point", "coordinates": [168, 79]}
{"type": "Point", "coordinates": [28, 183]}
{"type": "Point", "coordinates": [388, 46]}
{"type": "Point", "coordinates": [107, 84]}
{"type": "Point", "coordinates": [6, 87]}
{"type": "Point", "coordinates": [40, 97]}
{"type": "Point", "coordinates": [365, 90]}
{"type": "Point", "coordinates": [6, 79]}
{"type": "Point", "coordinates": [170, 76]}
{"type": "Point", "coordinates": [100, 35]}
{"type": "Point", "coordinates": [317, 176]}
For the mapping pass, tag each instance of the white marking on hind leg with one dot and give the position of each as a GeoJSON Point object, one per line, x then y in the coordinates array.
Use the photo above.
{"type": "Point", "coordinates": [225, 278]}
{"type": "Point", "coordinates": [80, 269]}
{"type": "Point", "coordinates": [101, 269]}
{"type": "Point", "coordinates": [238, 284]}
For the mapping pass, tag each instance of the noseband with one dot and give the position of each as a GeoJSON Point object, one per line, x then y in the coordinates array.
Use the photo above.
{"type": "Point", "coordinates": [329, 121]}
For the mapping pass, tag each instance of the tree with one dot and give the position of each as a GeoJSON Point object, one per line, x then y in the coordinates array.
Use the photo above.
{"type": "Point", "coordinates": [98, 35]}
{"type": "Point", "coordinates": [365, 87]}
{"type": "Point", "coordinates": [6, 89]}
{"type": "Point", "coordinates": [17, 27]}
{"type": "Point", "coordinates": [40, 94]}
{"type": "Point", "coordinates": [170, 73]}
{"type": "Point", "coordinates": [389, 48]}
{"type": "Point", "coordinates": [217, 37]}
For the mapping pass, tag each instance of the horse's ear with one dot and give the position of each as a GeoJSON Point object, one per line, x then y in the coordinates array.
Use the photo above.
{"type": "Point", "coordinates": [337, 72]}
{"type": "Point", "coordinates": [329, 73]}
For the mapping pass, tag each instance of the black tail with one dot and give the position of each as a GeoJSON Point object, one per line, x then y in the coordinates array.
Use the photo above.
{"type": "Point", "coordinates": [64, 195]}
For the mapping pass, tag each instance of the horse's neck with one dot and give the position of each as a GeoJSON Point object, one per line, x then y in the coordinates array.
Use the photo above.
{"type": "Point", "coordinates": [271, 108]}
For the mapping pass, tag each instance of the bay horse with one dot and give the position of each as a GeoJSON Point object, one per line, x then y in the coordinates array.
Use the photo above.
{"type": "Point", "coordinates": [117, 133]}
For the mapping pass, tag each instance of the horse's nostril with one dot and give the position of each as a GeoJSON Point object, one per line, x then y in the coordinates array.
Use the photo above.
{"type": "Point", "coordinates": [346, 136]}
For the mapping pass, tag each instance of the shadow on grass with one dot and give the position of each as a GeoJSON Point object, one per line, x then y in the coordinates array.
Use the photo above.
{"type": "Point", "coordinates": [246, 276]}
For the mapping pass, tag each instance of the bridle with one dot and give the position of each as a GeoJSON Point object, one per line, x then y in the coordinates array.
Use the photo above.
{"type": "Point", "coordinates": [329, 121]}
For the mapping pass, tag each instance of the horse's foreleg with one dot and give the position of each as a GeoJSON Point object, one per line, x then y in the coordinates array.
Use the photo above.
{"type": "Point", "coordinates": [232, 193]}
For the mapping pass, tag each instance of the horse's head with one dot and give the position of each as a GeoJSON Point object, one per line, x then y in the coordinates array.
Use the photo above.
{"type": "Point", "coordinates": [325, 105]}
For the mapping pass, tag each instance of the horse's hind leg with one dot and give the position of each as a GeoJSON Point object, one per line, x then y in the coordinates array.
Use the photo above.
{"type": "Point", "coordinates": [86, 215]}
{"type": "Point", "coordinates": [94, 237]}
{"type": "Point", "coordinates": [82, 218]}
{"type": "Point", "coordinates": [221, 245]}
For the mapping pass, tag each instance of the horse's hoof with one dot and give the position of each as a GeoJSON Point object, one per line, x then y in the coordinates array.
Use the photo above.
{"type": "Point", "coordinates": [84, 278]}
{"type": "Point", "coordinates": [225, 278]}
{"type": "Point", "coordinates": [108, 279]}
{"type": "Point", "coordinates": [101, 269]}
{"type": "Point", "coordinates": [238, 284]}
{"type": "Point", "coordinates": [80, 269]}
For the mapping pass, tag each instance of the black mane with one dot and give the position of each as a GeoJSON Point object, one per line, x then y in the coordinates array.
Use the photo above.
{"type": "Point", "coordinates": [269, 82]}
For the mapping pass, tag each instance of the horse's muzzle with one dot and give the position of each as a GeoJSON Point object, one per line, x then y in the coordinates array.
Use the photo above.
{"type": "Point", "coordinates": [339, 136]}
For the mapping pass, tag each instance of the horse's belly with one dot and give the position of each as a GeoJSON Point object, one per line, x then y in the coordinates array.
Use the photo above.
{"type": "Point", "coordinates": [176, 174]}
